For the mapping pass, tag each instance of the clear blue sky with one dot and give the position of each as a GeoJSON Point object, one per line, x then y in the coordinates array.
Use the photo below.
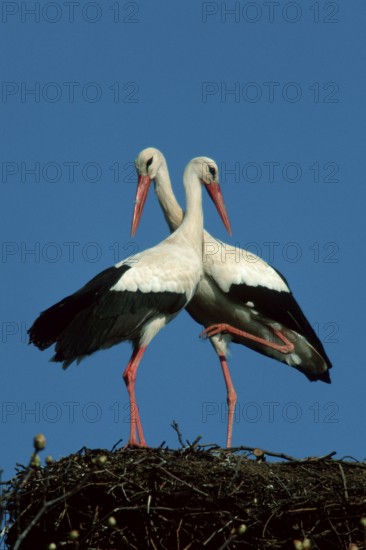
{"type": "Point", "coordinates": [275, 94]}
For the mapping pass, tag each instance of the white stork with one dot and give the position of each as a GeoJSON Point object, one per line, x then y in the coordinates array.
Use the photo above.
{"type": "Point", "coordinates": [137, 297]}
{"type": "Point", "coordinates": [241, 298]}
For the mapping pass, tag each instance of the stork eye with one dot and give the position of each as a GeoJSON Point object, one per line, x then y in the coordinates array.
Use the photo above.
{"type": "Point", "coordinates": [212, 171]}
{"type": "Point", "coordinates": [149, 163]}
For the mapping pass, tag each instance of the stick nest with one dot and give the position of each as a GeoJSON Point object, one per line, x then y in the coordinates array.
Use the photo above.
{"type": "Point", "coordinates": [193, 498]}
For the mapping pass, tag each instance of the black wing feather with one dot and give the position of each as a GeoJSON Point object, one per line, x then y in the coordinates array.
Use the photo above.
{"type": "Point", "coordinates": [117, 316]}
{"type": "Point", "coordinates": [53, 321]}
{"type": "Point", "coordinates": [96, 317]}
{"type": "Point", "coordinates": [280, 307]}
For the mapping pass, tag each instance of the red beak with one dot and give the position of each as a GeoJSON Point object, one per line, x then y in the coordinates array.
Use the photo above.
{"type": "Point", "coordinates": [215, 193]}
{"type": "Point", "coordinates": [142, 190]}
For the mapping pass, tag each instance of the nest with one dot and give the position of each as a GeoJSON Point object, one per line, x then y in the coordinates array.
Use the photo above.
{"type": "Point", "coordinates": [193, 498]}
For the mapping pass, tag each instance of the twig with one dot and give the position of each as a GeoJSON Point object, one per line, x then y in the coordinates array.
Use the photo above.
{"type": "Point", "coordinates": [281, 455]}
{"type": "Point", "coordinates": [324, 457]}
{"type": "Point", "coordinates": [195, 442]}
{"type": "Point", "coordinates": [268, 520]}
{"type": "Point", "coordinates": [235, 475]}
{"type": "Point", "coordinates": [344, 481]}
{"type": "Point", "coordinates": [177, 533]}
{"type": "Point", "coordinates": [182, 481]}
{"type": "Point", "coordinates": [116, 444]}
{"type": "Point", "coordinates": [219, 531]}
{"type": "Point", "coordinates": [280, 483]}
{"type": "Point", "coordinates": [228, 541]}
{"type": "Point", "coordinates": [301, 510]}
{"type": "Point", "coordinates": [269, 453]}
{"type": "Point", "coordinates": [44, 509]}
{"type": "Point", "coordinates": [175, 427]}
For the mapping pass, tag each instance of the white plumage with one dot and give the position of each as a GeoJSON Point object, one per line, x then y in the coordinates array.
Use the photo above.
{"type": "Point", "coordinates": [241, 298]}
{"type": "Point", "coordinates": [137, 297]}
{"type": "Point", "coordinates": [160, 269]}
{"type": "Point", "coordinates": [229, 265]}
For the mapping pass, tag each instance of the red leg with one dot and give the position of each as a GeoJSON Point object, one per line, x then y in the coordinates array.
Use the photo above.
{"type": "Point", "coordinates": [231, 399]}
{"type": "Point", "coordinates": [137, 438]}
{"type": "Point", "coordinates": [288, 346]}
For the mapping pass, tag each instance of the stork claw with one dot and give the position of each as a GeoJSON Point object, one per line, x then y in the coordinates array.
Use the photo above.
{"type": "Point", "coordinates": [212, 330]}
{"type": "Point", "coordinates": [286, 347]}
{"type": "Point", "coordinates": [135, 445]}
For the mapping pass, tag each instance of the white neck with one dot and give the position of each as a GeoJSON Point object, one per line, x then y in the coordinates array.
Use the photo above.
{"type": "Point", "coordinates": [190, 230]}
{"type": "Point", "coordinates": [193, 217]}
{"type": "Point", "coordinates": [172, 211]}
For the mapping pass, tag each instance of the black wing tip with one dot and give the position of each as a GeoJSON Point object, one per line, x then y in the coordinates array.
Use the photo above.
{"type": "Point", "coordinates": [51, 323]}
{"type": "Point", "coordinates": [323, 377]}
{"type": "Point", "coordinates": [59, 358]}
{"type": "Point", "coordinates": [40, 343]}
{"type": "Point", "coordinates": [37, 334]}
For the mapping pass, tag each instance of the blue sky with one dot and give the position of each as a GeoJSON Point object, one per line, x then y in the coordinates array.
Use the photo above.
{"type": "Point", "coordinates": [274, 92]}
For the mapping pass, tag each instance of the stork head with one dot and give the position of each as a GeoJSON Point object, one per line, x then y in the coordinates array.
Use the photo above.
{"type": "Point", "coordinates": [208, 173]}
{"type": "Point", "coordinates": [147, 164]}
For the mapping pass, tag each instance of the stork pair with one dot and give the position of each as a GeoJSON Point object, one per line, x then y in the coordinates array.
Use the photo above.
{"type": "Point", "coordinates": [246, 301]}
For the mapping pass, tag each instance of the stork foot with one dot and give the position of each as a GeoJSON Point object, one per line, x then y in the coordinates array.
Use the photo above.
{"type": "Point", "coordinates": [212, 330]}
{"type": "Point", "coordinates": [135, 445]}
{"type": "Point", "coordinates": [222, 328]}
